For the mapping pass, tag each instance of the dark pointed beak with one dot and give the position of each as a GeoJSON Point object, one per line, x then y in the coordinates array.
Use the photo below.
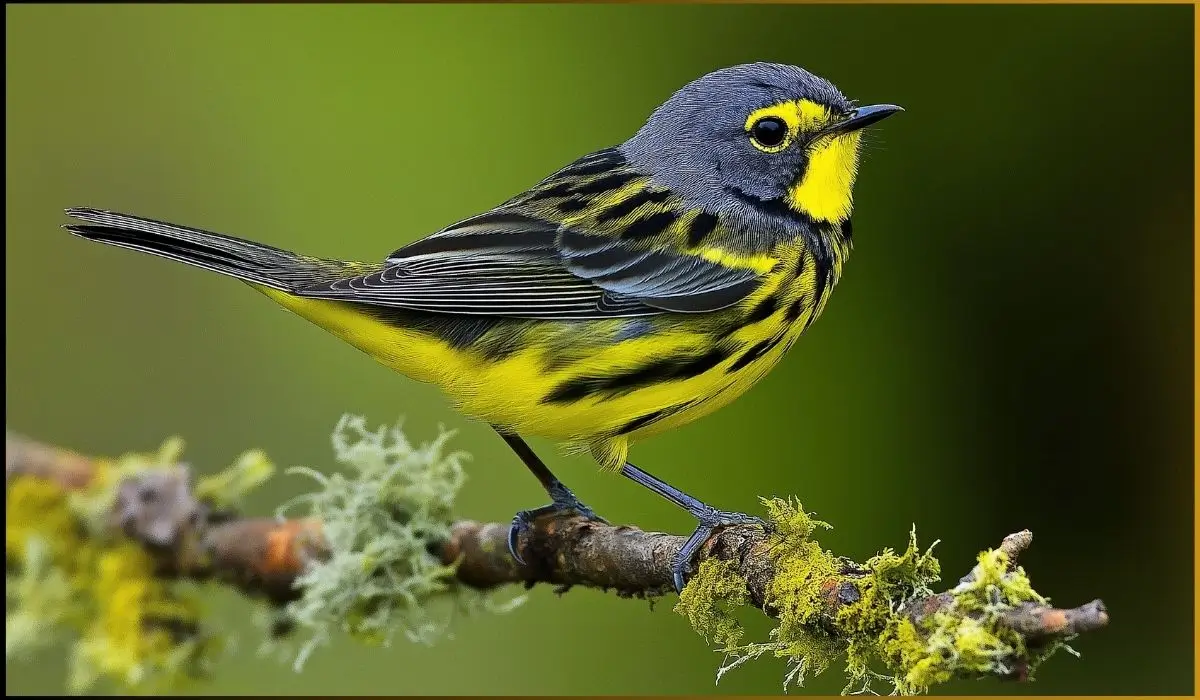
{"type": "Point", "coordinates": [863, 117]}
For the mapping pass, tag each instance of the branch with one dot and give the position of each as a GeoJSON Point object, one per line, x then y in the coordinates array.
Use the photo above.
{"type": "Point", "coordinates": [990, 623]}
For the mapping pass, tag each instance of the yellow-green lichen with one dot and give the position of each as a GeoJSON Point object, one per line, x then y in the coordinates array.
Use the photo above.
{"type": "Point", "coordinates": [141, 633]}
{"type": "Point", "coordinates": [898, 577]}
{"type": "Point", "coordinates": [966, 638]}
{"type": "Point", "coordinates": [42, 549]}
{"type": "Point", "coordinates": [42, 596]}
{"type": "Point", "coordinates": [803, 571]}
{"type": "Point", "coordinates": [711, 600]}
{"type": "Point", "coordinates": [870, 626]}
{"type": "Point", "coordinates": [35, 509]}
{"type": "Point", "coordinates": [796, 593]}
{"type": "Point", "coordinates": [226, 489]}
{"type": "Point", "coordinates": [992, 578]}
{"type": "Point", "coordinates": [68, 577]}
{"type": "Point", "coordinates": [890, 580]}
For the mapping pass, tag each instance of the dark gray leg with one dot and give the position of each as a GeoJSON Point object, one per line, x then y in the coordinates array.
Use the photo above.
{"type": "Point", "coordinates": [710, 518]}
{"type": "Point", "coordinates": [561, 497]}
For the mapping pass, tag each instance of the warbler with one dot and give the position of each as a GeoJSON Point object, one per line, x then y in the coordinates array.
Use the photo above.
{"type": "Point", "coordinates": [633, 291]}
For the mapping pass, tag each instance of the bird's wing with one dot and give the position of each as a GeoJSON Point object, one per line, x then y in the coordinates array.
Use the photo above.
{"type": "Point", "coordinates": [522, 260]}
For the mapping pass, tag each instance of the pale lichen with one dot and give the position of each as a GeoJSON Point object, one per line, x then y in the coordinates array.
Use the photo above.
{"type": "Point", "coordinates": [380, 521]}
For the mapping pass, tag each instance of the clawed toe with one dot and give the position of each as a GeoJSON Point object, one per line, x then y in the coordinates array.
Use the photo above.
{"type": "Point", "coordinates": [710, 520]}
{"type": "Point", "coordinates": [564, 501]}
{"type": "Point", "coordinates": [521, 523]}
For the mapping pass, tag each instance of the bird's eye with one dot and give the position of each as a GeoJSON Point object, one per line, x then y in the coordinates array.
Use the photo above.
{"type": "Point", "coordinates": [769, 133]}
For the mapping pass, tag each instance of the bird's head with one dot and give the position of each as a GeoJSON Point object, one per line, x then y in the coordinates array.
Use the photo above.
{"type": "Point", "coordinates": [759, 134]}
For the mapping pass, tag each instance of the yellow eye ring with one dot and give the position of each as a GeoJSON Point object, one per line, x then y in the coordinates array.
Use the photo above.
{"type": "Point", "coordinates": [770, 134]}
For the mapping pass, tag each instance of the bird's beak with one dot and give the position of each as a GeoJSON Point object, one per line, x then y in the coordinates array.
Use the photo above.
{"type": "Point", "coordinates": [863, 117]}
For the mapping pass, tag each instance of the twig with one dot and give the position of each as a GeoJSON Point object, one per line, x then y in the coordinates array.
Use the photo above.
{"type": "Point", "coordinates": [264, 556]}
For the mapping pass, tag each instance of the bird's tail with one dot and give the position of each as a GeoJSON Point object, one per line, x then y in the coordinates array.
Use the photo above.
{"type": "Point", "coordinates": [252, 262]}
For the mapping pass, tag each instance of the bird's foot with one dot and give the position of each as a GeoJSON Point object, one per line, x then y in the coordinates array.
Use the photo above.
{"type": "Point", "coordinates": [562, 500]}
{"type": "Point", "coordinates": [711, 520]}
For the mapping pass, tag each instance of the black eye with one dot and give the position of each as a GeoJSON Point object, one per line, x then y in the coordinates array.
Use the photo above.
{"type": "Point", "coordinates": [769, 131]}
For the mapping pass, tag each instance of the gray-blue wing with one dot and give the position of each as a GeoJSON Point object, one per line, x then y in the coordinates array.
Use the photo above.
{"type": "Point", "coordinates": [510, 264]}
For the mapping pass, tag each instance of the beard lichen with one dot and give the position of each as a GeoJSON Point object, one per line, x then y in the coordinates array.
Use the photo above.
{"type": "Point", "coordinates": [827, 607]}
{"type": "Point", "coordinates": [379, 523]}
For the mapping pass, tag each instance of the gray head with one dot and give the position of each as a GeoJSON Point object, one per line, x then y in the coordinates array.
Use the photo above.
{"type": "Point", "coordinates": [759, 135]}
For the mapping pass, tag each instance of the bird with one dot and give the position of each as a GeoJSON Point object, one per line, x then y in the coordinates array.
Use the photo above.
{"type": "Point", "coordinates": [637, 289]}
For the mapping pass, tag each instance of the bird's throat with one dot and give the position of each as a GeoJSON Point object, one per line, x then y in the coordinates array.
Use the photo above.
{"type": "Point", "coordinates": [826, 190]}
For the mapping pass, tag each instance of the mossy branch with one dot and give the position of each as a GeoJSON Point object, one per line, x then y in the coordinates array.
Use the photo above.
{"type": "Point", "coordinates": [378, 547]}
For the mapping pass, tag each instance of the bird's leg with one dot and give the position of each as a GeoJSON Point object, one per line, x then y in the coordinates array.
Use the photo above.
{"type": "Point", "coordinates": [561, 497]}
{"type": "Point", "coordinates": [710, 518]}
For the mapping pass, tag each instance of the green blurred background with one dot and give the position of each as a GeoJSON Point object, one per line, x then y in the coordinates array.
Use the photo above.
{"type": "Point", "coordinates": [1011, 346]}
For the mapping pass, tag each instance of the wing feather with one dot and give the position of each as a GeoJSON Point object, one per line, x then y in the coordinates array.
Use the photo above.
{"type": "Point", "coordinates": [517, 261]}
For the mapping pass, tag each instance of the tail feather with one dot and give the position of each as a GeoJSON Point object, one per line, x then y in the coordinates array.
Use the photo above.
{"type": "Point", "coordinates": [245, 260]}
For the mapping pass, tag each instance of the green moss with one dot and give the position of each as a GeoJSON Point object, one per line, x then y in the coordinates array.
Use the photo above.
{"type": "Point", "coordinates": [711, 599]}
{"type": "Point", "coordinates": [379, 520]}
{"type": "Point", "coordinates": [802, 569]}
{"type": "Point", "coordinates": [964, 639]}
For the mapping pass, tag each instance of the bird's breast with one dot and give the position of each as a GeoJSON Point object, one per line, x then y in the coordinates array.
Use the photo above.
{"type": "Point", "coordinates": [740, 345]}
